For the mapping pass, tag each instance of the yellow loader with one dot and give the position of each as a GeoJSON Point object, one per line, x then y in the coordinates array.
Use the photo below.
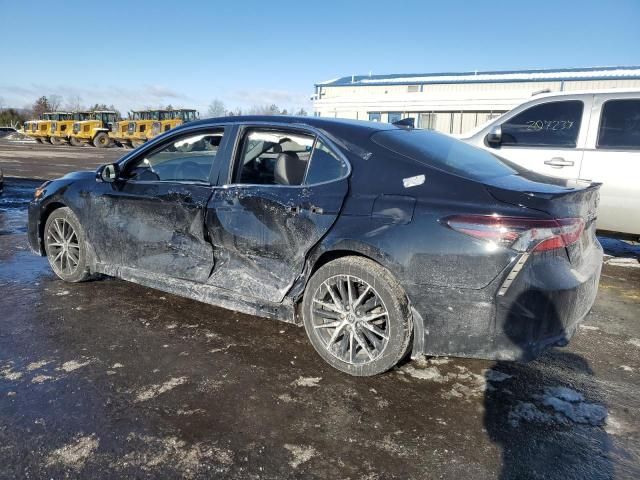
{"type": "Point", "coordinates": [119, 133]}
{"type": "Point", "coordinates": [61, 129]}
{"type": "Point", "coordinates": [141, 126]}
{"type": "Point", "coordinates": [172, 119]}
{"type": "Point", "coordinates": [42, 132]}
{"type": "Point", "coordinates": [95, 130]}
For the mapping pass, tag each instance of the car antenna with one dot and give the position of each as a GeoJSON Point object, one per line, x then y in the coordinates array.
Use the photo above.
{"type": "Point", "coordinates": [408, 122]}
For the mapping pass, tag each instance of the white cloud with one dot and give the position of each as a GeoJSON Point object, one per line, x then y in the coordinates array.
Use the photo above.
{"type": "Point", "coordinates": [123, 98]}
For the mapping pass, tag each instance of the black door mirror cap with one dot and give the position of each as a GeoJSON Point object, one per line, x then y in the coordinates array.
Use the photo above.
{"type": "Point", "coordinates": [494, 137]}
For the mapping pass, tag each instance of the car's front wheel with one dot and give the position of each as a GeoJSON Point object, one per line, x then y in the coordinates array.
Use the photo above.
{"type": "Point", "coordinates": [357, 316]}
{"type": "Point", "coordinates": [66, 246]}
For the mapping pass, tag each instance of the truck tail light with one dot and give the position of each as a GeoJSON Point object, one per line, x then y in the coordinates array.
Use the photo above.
{"type": "Point", "coordinates": [517, 233]}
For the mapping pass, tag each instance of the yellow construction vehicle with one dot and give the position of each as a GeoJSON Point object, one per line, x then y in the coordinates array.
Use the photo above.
{"type": "Point", "coordinates": [119, 133]}
{"type": "Point", "coordinates": [147, 124]}
{"type": "Point", "coordinates": [95, 130]}
{"type": "Point", "coordinates": [173, 119]}
{"type": "Point", "coordinates": [140, 127]}
{"type": "Point", "coordinates": [29, 127]}
{"type": "Point", "coordinates": [42, 132]}
{"type": "Point", "coordinates": [61, 129]}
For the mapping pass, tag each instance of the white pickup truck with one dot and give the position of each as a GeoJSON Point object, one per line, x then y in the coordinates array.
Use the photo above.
{"type": "Point", "coordinates": [582, 135]}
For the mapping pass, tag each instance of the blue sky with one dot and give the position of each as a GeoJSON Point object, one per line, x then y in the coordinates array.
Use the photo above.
{"type": "Point", "coordinates": [138, 53]}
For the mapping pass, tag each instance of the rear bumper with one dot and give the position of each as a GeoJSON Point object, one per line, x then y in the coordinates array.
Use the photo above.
{"type": "Point", "coordinates": [542, 307]}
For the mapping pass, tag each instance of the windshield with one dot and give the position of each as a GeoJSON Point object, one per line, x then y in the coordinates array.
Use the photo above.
{"type": "Point", "coordinates": [445, 153]}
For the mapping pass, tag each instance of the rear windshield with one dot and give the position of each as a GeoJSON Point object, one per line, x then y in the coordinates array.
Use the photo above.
{"type": "Point", "coordinates": [444, 153]}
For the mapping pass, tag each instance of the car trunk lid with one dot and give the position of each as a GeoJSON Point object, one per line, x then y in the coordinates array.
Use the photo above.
{"type": "Point", "coordinates": [559, 198]}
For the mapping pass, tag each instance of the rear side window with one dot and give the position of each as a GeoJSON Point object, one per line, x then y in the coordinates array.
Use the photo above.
{"type": "Point", "coordinates": [274, 157]}
{"type": "Point", "coordinates": [444, 153]}
{"type": "Point", "coordinates": [620, 125]}
{"type": "Point", "coordinates": [553, 124]}
{"type": "Point", "coordinates": [325, 166]}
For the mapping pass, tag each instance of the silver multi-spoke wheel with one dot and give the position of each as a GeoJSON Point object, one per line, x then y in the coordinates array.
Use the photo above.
{"type": "Point", "coordinates": [350, 319]}
{"type": "Point", "coordinates": [63, 246]}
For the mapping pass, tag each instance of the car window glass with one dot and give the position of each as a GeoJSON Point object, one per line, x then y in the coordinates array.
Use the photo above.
{"type": "Point", "coordinates": [445, 153]}
{"type": "Point", "coordinates": [270, 157]}
{"type": "Point", "coordinates": [550, 124]}
{"type": "Point", "coordinates": [620, 124]}
{"type": "Point", "coordinates": [324, 166]}
{"type": "Point", "coordinates": [187, 158]}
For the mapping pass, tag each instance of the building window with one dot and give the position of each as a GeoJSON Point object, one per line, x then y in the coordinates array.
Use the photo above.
{"type": "Point", "coordinates": [393, 117]}
{"type": "Point", "coordinates": [427, 121]}
{"type": "Point", "coordinates": [620, 125]}
{"type": "Point", "coordinates": [374, 116]}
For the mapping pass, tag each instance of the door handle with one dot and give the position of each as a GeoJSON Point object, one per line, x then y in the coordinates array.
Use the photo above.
{"type": "Point", "coordinates": [293, 209]}
{"type": "Point", "coordinates": [559, 162]}
{"type": "Point", "coordinates": [317, 210]}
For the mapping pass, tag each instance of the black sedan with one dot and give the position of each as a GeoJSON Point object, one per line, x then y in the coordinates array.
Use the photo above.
{"type": "Point", "coordinates": [380, 239]}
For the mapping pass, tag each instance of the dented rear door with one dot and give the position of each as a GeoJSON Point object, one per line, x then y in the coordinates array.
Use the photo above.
{"type": "Point", "coordinates": [261, 234]}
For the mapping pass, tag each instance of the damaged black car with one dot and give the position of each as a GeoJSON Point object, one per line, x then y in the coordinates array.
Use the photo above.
{"type": "Point", "coordinates": [382, 240]}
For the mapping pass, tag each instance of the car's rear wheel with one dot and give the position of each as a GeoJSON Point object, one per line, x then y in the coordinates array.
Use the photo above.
{"type": "Point", "coordinates": [57, 141]}
{"type": "Point", "coordinates": [357, 316]}
{"type": "Point", "coordinates": [75, 142]}
{"type": "Point", "coordinates": [38, 139]}
{"type": "Point", "coordinates": [66, 246]}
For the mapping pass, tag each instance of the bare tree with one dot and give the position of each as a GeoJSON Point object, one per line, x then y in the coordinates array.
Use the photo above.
{"type": "Point", "coordinates": [74, 104]}
{"type": "Point", "coordinates": [216, 109]}
{"type": "Point", "coordinates": [54, 102]}
{"type": "Point", "coordinates": [272, 109]}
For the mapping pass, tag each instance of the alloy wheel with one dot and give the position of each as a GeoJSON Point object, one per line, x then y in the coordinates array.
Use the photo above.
{"type": "Point", "coordinates": [350, 319]}
{"type": "Point", "coordinates": [63, 247]}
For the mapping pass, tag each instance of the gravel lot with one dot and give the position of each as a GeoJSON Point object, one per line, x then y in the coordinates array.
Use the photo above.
{"type": "Point", "coordinates": [113, 380]}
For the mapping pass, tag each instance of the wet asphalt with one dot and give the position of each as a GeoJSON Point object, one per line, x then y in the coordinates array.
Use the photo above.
{"type": "Point", "coordinates": [108, 379]}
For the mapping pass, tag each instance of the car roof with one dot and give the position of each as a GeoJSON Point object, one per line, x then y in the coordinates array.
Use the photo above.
{"type": "Point", "coordinates": [329, 124]}
{"type": "Point", "coordinates": [564, 93]}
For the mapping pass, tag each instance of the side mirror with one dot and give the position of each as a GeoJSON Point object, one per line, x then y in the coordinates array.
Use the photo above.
{"type": "Point", "coordinates": [107, 173]}
{"type": "Point", "coordinates": [494, 137]}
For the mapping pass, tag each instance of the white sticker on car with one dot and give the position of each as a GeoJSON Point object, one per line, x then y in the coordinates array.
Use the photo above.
{"type": "Point", "coordinates": [413, 181]}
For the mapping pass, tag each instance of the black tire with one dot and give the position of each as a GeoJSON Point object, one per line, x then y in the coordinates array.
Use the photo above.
{"type": "Point", "coordinates": [101, 140]}
{"type": "Point", "coordinates": [56, 229]}
{"type": "Point", "coordinates": [75, 142]}
{"type": "Point", "coordinates": [46, 140]}
{"type": "Point", "coordinates": [387, 294]}
{"type": "Point", "coordinates": [57, 141]}
{"type": "Point", "coordinates": [38, 139]}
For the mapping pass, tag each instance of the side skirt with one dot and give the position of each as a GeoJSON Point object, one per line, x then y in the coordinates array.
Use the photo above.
{"type": "Point", "coordinates": [203, 293]}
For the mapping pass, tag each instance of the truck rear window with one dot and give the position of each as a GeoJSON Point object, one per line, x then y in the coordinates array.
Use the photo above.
{"type": "Point", "coordinates": [444, 153]}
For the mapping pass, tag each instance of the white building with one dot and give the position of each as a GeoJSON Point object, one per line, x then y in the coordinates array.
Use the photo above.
{"type": "Point", "coordinates": [455, 102]}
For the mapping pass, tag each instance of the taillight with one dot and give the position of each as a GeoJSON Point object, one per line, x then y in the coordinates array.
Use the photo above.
{"type": "Point", "coordinates": [517, 233]}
